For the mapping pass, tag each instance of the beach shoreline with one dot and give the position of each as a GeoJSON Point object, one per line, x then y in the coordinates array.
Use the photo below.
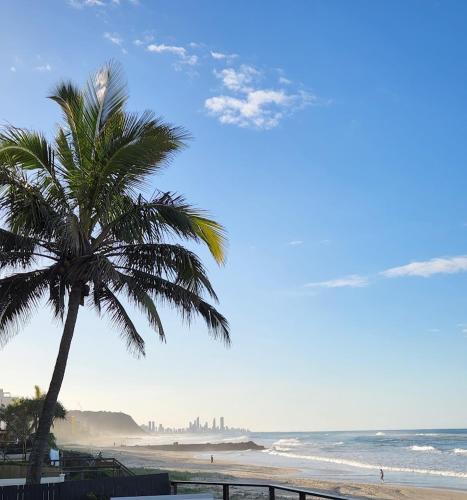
{"type": "Point", "coordinates": [140, 457]}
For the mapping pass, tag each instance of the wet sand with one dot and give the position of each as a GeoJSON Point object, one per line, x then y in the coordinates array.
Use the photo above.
{"type": "Point", "coordinates": [230, 470]}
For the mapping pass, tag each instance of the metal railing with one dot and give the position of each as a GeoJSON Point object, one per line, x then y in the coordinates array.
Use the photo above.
{"type": "Point", "coordinates": [271, 488]}
{"type": "Point", "coordinates": [75, 465]}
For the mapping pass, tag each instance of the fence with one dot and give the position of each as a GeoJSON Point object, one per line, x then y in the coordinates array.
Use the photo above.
{"type": "Point", "coordinates": [151, 484]}
{"type": "Point", "coordinates": [270, 488]}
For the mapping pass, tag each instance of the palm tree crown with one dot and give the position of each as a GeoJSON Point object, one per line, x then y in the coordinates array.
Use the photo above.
{"type": "Point", "coordinates": [77, 227]}
{"type": "Point", "coordinates": [75, 218]}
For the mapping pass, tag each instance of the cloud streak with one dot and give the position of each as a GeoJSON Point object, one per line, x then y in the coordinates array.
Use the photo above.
{"type": "Point", "coordinates": [427, 268]}
{"type": "Point", "coordinates": [180, 52]}
{"type": "Point", "coordinates": [424, 269]}
{"type": "Point", "coordinates": [79, 4]}
{"type": "Point", "coordinates": [221, 56]}
{"type": "Point", "coordinates": [43, 68]}
{"type": "Point", "coordinates": [113, 38]}
{"type": "Point", "coordinates": [351, 281]}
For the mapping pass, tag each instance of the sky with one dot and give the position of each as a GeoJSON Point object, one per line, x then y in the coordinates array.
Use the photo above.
{"type": "Point", "coordinates": [329, 139]}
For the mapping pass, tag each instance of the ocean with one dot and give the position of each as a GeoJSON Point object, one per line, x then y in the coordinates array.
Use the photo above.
{"type": "Point", "coordinates": [429, 458]}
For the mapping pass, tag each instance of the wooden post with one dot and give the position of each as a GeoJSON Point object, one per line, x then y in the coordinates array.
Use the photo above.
{"type": "Point", "coordinates": [175, 488]}
{"type": "Point", "coordinates": [272, 493]}
{"type": "Point", "coordinates": [225, 492]}
{"type": "Point", "coordinates": [302, 496]}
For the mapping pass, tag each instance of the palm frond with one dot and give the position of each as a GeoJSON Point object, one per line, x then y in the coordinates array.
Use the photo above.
{"type": "Point", "coordinates": [121, 320]}
{"type": "Point", "coordinates": [184, 301]}
{"type": "Point", "coordinates": [16, 250]}
{"type": "Point", "coordinates": [19, 295]}
{"type": "Point", "coordinates": [174, 261]}
{"type": "Point", "coordinates": [165, 214]}
{"type": "Point", "coordinates": [142, 300]}
{"type": "Point", "coordinates": [104, 96]}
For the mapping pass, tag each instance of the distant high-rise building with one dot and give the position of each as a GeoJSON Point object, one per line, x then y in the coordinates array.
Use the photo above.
{"type": "Point", "coordinates": [197, 423]}
{"type": "Point", "coordinates": [214, 424]}
{"type": "Point", "coordinates": [221, 425]}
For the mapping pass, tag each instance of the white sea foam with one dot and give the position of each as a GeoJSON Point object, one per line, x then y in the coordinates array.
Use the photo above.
{"type": "Point", "coordinates": [422, 448]}
{"type": "Point", "coordinates": [380, 434]}
{"type": "Point", "coordinates": [459, 451]}
{"type": "Point", "coordinates": [427, 434]}
{"type": "Point", "coordinates": [287, 442]}
{"type": "Point", "coordinates": [361, 465]}
{"type": "Point", "coordinates": [237, 439]}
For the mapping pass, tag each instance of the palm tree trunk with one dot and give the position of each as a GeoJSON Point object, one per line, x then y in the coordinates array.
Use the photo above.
{"type": "Point", "coordinates": [39, 446]}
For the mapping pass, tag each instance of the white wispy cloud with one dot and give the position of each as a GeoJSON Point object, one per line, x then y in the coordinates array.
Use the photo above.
{"type": "Point", "coordinates": [352, 281]}
{"type": "Point", "coordinates": [284, 80]}
{"type": "Point", "coordinates": [182, 54]}
{"type": "Point", "coordinates": [43, 68]}
{"type": "Point", "coordinates": [294, 243]}
{"type": "Point", "coordinates": [439, 265]}
{"type": "Point", "coordinates": [115, 38]}
{"type": "Point", "coordinates": [238, 80]}
{"type": "Point", "coordinates": [79, 4]}
{"type": "Point", "coordinates": [144, 40]}
{"type": "Point", "coordinates": [250, 105]}
{"type": "Point", "coordinates": [221, 56]}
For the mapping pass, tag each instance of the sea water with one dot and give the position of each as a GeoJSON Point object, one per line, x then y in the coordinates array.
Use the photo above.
{"type": "Point", "coordinates": [429, 458]}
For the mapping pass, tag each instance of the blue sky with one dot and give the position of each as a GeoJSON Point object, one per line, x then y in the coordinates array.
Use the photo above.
{"type": "Point", "coordinates": [329, 138]}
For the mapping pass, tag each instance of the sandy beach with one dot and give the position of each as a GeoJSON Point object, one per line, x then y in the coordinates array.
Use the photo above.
{"type": "Point", "coordinates": [141, 457]}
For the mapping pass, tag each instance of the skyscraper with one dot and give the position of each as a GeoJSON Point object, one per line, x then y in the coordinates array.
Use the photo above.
{"type": "Point", "coordinates": [214, 424]}
{"type": "Point", "coordinates": [222, 427]}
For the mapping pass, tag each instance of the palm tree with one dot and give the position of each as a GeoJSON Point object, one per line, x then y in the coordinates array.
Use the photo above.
{"type": "Point", "coordinates": [35, 405]}
{"type": "Point", "coordinates": [21, 418]}
{"type": "Point", "coordinates": [79, 229]}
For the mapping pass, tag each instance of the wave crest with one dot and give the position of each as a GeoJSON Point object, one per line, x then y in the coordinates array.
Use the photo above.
{"type": "Point", "coordinates": [422, 448]}
{"type": "Point", "coordinates": [362, 465]}
{"type": "Point", "coordinates": [287, 442]}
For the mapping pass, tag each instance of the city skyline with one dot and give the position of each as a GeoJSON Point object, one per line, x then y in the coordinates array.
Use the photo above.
{"type": "Point", "coordinates": [194, 426]}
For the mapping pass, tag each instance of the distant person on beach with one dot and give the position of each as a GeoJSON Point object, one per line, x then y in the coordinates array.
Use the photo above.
{"type": "Point", "coordinates": [381, 472]}
{"type": "Point", "coordinates": [212, 459]}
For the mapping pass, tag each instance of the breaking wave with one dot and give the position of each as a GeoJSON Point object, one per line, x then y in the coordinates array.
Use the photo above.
{"type": "Point", "coordinates": [362, 465]}
{"type": "Point", "coordinates": [422, 448]}
{"type": "Point", "coordinates": [289, 442]}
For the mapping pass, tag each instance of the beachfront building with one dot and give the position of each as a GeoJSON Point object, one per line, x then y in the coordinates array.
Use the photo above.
{"type": "Point", "coordinates": [5, 398]}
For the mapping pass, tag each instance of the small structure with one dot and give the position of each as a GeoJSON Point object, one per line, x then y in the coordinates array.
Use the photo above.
{"type": "Point", "coordinates": [5, 398]}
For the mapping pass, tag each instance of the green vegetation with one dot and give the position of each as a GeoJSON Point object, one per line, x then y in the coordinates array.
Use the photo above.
{"type": "Point", "coordinates": [21, 420]}
{"type": "Point", "coordinates": [78, 227]}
